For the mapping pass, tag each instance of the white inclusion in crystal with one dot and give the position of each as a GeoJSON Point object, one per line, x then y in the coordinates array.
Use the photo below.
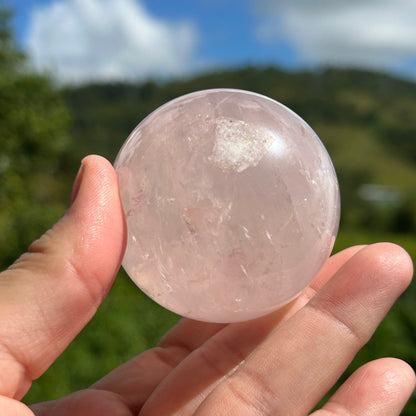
{"type": "Point", "coordinates": [239, 145]}
{"type": "Point", "coordinates": [244, 270]}
{"type": "Point", "coordinates": [246, 233]}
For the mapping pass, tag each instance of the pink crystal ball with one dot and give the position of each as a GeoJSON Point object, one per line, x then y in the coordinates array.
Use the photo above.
{"type": "Point", "coordinates": [232, 205]}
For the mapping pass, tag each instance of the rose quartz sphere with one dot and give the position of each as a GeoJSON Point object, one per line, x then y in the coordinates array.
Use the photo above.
{"type": "Point", "coordinates": [231, 202]}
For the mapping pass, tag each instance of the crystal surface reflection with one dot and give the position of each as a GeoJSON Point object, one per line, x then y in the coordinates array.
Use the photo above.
{"type": "Point", "coordinates": [231, 202]}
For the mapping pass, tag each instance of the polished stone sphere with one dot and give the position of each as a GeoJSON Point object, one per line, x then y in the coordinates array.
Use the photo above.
{"type": "Point", "coordinates": [231, 202]}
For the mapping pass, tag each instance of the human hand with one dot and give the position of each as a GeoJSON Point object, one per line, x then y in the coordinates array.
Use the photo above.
{"type": "Point", "coordinates": [280, 364]}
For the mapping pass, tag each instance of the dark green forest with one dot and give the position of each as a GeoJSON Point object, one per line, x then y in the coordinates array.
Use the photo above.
{"type": "Point", "coordinates": [366, 120]}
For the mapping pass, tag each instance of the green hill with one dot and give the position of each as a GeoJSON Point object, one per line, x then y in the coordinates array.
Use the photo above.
{"type": "Point", "coordinates": [366, 120]}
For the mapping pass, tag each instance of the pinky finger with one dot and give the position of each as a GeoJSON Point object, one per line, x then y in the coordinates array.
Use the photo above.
{"type": "Point", "coordinates": [379, 388]}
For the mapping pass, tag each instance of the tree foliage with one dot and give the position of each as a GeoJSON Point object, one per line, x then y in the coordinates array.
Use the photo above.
{"type": "Point", "coordinates": [33, 121]}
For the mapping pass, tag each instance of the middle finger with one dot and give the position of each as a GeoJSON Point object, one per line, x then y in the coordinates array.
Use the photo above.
{"type": "Point", "coordinates": [302, 358]}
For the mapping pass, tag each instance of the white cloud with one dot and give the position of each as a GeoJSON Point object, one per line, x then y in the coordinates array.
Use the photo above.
{"type": "Point", "coordinates": [379, 34]}
{"type": "Point", "coordinates": [104, 40]}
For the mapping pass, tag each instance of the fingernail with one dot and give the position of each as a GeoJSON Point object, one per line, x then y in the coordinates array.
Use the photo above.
{"type": "Point", "coordinates": [77, 184]}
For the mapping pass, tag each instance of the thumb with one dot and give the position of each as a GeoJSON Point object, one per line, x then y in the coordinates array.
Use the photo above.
{"type": "Point", "coordinates": [53, 290]}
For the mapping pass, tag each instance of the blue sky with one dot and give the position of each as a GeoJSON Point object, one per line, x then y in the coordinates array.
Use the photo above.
{"type": "Point", "coordinates": [83, 40]}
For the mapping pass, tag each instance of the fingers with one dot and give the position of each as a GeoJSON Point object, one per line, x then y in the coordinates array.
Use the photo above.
{"type": "Point", "coordinates": [86, 402]}
{"type": "Point", "coordinates": [136, 379]}
{"type": "Point", "coordinates": [304, 356]}
{"type": "Point", "coordinates": [13, 407]}
{"type": "Point", "coordinates": [333, 264]}
{"type": "Point", "coordinates": [52, 291]}
{"type": "Point", "coordinates": [196, 376]}
{"type": "Point", "coordinates": [379, 388]}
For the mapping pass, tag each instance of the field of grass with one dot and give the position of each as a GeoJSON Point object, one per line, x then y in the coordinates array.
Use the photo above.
{"type": "Point", "coordinates": [128, 323]}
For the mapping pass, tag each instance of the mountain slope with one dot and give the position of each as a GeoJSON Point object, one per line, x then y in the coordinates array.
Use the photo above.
{"type": "Point", "coordinates": [366, 120]}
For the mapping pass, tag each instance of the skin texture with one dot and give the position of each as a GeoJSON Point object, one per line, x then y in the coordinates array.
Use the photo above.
{"type": "Point", "coordinates": [280, 364]}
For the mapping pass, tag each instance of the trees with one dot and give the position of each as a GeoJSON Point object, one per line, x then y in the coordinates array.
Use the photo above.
{"type": "Point", "coordinates": [33, 121]}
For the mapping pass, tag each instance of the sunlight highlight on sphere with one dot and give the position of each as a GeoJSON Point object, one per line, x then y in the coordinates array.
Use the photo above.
{"type": "Point", "coordinates": [231, 202]}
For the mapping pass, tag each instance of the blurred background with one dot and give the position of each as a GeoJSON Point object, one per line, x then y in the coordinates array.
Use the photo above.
{"type": "Point", "coordinates": [76, 76]}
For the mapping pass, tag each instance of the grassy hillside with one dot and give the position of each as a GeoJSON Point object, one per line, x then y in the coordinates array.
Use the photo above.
{"type": "Point", "coordinates": [366, 120]}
